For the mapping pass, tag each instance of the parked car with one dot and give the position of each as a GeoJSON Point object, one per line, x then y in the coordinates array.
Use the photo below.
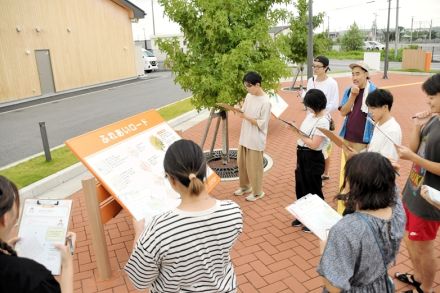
{"type": "Point", "coordinates": [368, 46]}
{"type": "Point", "coordinates": [373, 45]}
{"type": "Point", "coordinates": [150, 61]}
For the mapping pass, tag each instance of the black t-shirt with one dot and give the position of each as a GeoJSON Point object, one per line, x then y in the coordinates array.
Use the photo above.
{"type": "Point", "coordinates": [23, 275]}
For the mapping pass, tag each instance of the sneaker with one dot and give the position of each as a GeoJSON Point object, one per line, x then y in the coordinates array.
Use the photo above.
{"type": "Point", "coordinates": [242, 191]}
{"type": "Point", "coordinates": [253, 197]}
{"type": "Point", "coordinates": [306, 230]}
{"type": "Point", "coordinates": [296, 223]}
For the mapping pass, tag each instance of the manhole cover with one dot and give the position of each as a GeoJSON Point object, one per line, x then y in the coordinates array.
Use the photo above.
{"type": "Point", "coordinates": [229, 171]}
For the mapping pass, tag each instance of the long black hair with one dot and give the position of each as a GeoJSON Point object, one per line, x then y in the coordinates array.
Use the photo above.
{"type": "Point", "coordinates": [8, 197]}
{"type": "Point", "coordinates": [185, 161]}
{"type": "Point", "coordinates": [371, 181]}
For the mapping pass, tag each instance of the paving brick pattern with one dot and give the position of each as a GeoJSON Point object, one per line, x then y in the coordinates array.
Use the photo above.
{"type": "Point", "coordinates": [270, 256]}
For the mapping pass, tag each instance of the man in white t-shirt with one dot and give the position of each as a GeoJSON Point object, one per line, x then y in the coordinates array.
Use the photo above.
{"type": "Point", "coordinates": [255, 115]}
{"type": "Point", "coordinates": [387, 132]}
{"type": "Point", "coordinates": [329, 87]}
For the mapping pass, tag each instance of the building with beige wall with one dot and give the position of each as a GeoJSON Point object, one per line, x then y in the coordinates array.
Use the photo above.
{"type": "Point", "coordinates": [50, 46]}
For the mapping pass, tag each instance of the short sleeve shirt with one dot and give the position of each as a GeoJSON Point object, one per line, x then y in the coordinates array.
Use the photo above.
{"type": "Point", "coordinates": [352, 260]}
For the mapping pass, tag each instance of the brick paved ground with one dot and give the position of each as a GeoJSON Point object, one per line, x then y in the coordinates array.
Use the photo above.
{"type": "Point", "coordinates": [270, 256]}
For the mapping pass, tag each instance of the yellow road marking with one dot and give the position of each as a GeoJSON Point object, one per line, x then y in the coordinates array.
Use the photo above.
{"type": "Point", "coordinates": [400, 85]}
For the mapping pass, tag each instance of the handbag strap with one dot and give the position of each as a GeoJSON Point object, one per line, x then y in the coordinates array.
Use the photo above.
{"type": "Point", "coordinates": [363, 218]}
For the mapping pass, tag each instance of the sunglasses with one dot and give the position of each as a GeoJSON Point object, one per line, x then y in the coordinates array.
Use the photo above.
{"type": "Point", "coordinates": [317, 67]}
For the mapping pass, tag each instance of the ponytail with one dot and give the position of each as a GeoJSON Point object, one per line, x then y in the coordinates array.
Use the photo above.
{"type": "Point", "coordinates": [196, 185]}
{"type": "Point", "coordinates": [185, 161]}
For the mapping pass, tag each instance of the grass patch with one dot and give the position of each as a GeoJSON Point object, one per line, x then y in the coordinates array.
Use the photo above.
{"type": "Point", "coordinates": [176, 109]}
{"type": "Point", "coordinates": [37, 168]}
{"type": "Point", "coordinates": [357, 55]}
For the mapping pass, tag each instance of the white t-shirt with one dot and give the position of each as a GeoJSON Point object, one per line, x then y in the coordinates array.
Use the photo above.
{"type": "Point", "coordinates": [330, 89]}
{"type": "Point", "coordinates": [251, 136]}
{"type": "Point", "coordinates": [381, 144]}
{"type": "Point", "coordinates": [309, 127]}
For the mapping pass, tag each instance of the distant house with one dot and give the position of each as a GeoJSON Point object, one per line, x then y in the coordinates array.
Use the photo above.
{"type": "Point", "coordinates": [160, 55]}
{"type": "Point", "coordinates": [52, 46]}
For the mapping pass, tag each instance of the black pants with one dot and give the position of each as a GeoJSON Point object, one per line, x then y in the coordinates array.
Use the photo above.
{"type": "Point", "coordinates": [309, 168]}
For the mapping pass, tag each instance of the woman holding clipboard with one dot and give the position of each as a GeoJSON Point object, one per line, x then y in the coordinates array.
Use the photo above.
{"type": "Point", "coordinates": [19, 274]}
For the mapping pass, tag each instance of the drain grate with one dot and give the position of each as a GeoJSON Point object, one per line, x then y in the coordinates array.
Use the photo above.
{"type": "Point", "coordinates": [229, 171]}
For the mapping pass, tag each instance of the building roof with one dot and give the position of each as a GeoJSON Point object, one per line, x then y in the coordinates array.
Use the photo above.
{"type": "Point", "coordinates": [136, 12]}
{"type": "Point", "coordinates": [277, 29]}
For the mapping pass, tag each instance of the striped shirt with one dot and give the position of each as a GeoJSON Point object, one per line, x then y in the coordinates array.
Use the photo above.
{"type": "Point", "coordinates": [188, 251]}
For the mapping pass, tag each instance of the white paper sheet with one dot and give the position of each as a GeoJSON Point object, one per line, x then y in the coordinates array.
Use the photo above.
{"type": "Point", "coordinates": [278, 105]}
{"type": "Point", "coordinates": [315, 214]}
{"type": "Point", "coordinates": [43, 224]}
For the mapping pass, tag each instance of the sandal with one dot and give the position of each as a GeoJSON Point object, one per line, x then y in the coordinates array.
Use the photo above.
{"type": "Point", "coordinates": [407, 279]}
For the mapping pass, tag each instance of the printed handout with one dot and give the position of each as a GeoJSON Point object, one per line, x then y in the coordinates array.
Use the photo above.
{"type": "Point", "coordinates": [315, 214]}
{"type": "Point", "coordinates": [43, 224]}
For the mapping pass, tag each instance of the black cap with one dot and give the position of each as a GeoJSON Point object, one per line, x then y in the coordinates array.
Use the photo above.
{"type": "Point", "coordinates": [322, 59]}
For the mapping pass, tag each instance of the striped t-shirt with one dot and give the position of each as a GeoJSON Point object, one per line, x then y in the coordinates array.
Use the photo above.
{"type": "Point", "coordinates": [188, 251]}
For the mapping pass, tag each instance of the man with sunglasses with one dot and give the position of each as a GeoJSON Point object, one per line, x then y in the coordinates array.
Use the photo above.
{"type": "Point", "coordinates": [255, 114]}
{"type": "Point", "coordinates": [329, 87]}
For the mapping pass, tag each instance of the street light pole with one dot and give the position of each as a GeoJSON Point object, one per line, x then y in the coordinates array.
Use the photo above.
{"type": "Point", "coordinates": [310, 42]}
{"type": "Point", "coordinates": [385, 69]}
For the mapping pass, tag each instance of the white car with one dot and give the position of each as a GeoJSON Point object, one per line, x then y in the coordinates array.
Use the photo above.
{"type": "Point", "coordinates": [149, 60]}
{"type": "Point", "coordinates": [373, 45]}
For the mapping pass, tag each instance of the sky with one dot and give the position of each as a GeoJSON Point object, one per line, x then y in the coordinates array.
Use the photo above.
{"type": "Point", "coordinates": [339, 15]}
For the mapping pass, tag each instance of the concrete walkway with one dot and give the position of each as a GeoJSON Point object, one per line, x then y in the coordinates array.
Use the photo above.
{"type": "Point", "coordinates": [270, 256]}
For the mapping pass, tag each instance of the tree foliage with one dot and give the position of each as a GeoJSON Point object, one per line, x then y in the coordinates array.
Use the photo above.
{"type": "Point", "coordinates": [322, 43]}
{"type": "Point", "coordinates": [294, 44]}
{"type": "Point", "coordinates": [353, 39]}
{"type": "Point", "coordinates": [225, 39]}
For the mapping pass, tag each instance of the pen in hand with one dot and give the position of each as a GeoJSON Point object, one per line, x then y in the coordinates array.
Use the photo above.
{"type": "Point", "coordinates": [69, 241]}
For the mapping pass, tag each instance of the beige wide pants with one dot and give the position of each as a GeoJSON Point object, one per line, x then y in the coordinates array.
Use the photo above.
{"type": "Point", "coordinates": [250, 168]}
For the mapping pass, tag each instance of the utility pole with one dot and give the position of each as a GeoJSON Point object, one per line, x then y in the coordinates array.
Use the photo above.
{"type": "Point", "coordinates": [430, 29]}
{"type": "Point", "coordinates": [412, 22]}
{"type": "Point", "coordinates": [328, 28]}
{"type": "Point", "coordinates": [375, 27]}
{"type": "Point", "coordinates": [152, 16]}
{"type": "Point", "coordinates": [396, 38]}
{"type": "Point", "coordinates": [310, 42]}
{"type": "Point", "coordinates": [387, 39]}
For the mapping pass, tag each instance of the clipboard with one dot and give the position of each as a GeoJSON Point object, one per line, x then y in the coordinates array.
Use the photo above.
{"type": "Point", "coordinates": [43, 223]}
{"type": "Point", "coordinates": [315, 214]}
{"type": "Point", "coordinates": [229, 107]}
{"type": "Point", "coordinates": [294, 127]}
{"type": "Point", "coordinates": [334, 138]}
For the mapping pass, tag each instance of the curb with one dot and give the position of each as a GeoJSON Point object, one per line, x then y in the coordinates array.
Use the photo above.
{"type": "Point", "coordinates": [43, 187]}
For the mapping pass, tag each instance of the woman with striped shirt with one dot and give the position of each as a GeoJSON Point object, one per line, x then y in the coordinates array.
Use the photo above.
{"type": "Point", "coordinates": [187, 249]}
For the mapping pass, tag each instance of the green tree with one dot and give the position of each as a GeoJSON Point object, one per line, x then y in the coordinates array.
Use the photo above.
{"type": "Point", "coordinates": [322, 43]}
{"type": "Point", "coordinates": [353, 39]}
{"type": "Point", "coordinates": [294, 44]}
{"type": "Point", "coordinates": [225, 39]}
